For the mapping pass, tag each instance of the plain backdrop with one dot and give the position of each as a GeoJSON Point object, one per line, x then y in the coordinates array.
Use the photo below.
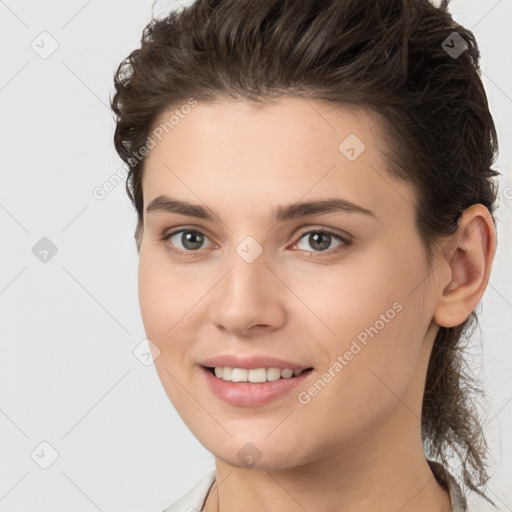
{"type": "Point", "coordinates": [77, 394]}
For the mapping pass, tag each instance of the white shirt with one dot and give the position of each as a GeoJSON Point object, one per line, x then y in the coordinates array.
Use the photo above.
{"type": "Point", "coordinates": [194, 500]}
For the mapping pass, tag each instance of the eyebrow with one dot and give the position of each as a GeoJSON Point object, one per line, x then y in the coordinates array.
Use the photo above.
{"type": "Point", "coordinates": [290, 211]}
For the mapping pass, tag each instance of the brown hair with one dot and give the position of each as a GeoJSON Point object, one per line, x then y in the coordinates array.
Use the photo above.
{"type": "Point", "coordinates": [391, 56]}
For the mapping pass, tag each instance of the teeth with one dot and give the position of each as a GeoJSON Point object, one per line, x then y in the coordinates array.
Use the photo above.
{"type": "Point", "coordinates": [254, 374]}
{"type": "Point", "coordinates": [257, 375]}
{"type": "Point", "coordinates": [239, 375]}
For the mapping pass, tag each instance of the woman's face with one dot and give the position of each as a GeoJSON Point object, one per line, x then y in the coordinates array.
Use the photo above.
{"type": "Point", "coordinates": [265, 278]}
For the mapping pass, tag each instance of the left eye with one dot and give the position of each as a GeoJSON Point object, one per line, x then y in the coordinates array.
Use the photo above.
{"type": "Point", "coordinates": [320, 240]}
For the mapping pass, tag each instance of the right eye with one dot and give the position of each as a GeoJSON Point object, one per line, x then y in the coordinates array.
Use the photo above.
{"type": "Point", "coordinates": [190, 239]}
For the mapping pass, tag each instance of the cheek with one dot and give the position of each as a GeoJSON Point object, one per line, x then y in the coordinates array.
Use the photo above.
{"type": "Point", "coordinates": [162, 312]}
{"type": "Point", "coordinates": [368, 288]}
{"type": "Point", "coordinates": [152, 296]}
{"type": "Point", "coordinates": [377, 316]}
{"type": "Point", "coordinates": [171, 306]}
{"type": "Point", "coordinates": [164, 295]}
{"type": "Point", "coordinates": [371, 363]}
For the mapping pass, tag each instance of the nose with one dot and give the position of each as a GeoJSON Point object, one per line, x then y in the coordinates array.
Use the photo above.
{"type": "Point", "coordinates": [249, 297]}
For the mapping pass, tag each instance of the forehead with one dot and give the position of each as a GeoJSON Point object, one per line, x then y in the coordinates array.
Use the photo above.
{"type": "Point", "coordinates": [245, 155]}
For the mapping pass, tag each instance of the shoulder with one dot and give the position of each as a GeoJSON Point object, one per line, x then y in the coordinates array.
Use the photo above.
{"type": "Point", "coordinates": [194, 499]}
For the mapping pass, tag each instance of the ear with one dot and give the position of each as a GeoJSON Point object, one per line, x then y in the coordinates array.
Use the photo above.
{"type": "Point", "coordinates": [465, 266]}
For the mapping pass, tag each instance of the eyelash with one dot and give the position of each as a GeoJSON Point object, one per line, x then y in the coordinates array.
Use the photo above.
{"type": "Point", "coordinates": [346, 241]}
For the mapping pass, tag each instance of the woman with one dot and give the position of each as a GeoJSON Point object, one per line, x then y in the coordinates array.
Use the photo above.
{"type": "Point", "coordinates": [315, 205]}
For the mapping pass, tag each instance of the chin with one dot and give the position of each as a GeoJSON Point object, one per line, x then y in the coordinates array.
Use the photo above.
{"type": "Point", "coordinates": [254, 452]}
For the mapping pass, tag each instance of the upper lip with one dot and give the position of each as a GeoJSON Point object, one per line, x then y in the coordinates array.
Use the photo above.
{"type": "Point", "coordinates": [251, 362]}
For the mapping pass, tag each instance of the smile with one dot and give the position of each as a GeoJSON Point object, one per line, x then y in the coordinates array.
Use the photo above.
{"type": "Point", "coordinates": [241, 392]}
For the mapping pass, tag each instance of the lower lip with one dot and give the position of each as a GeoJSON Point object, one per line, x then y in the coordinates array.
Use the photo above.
{"type": "Point", "coordinates": [251, 394]}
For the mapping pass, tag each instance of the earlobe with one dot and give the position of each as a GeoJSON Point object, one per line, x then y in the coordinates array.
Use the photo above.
{"type": "Point", "coordinates": [467, 261]}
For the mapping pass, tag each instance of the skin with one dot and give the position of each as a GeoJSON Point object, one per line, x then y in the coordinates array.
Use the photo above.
{"type": "Point", "coordinates": [357, 444]}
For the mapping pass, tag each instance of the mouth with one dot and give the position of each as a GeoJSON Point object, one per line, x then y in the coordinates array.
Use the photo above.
{"type": "Point", "coordinates": [254, 375]}
{"type": "Point", "coordinates": [254, 387]}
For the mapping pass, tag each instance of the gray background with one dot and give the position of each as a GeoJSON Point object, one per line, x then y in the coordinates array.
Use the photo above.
{"type": "Point", "coordinates": [70, 320]}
